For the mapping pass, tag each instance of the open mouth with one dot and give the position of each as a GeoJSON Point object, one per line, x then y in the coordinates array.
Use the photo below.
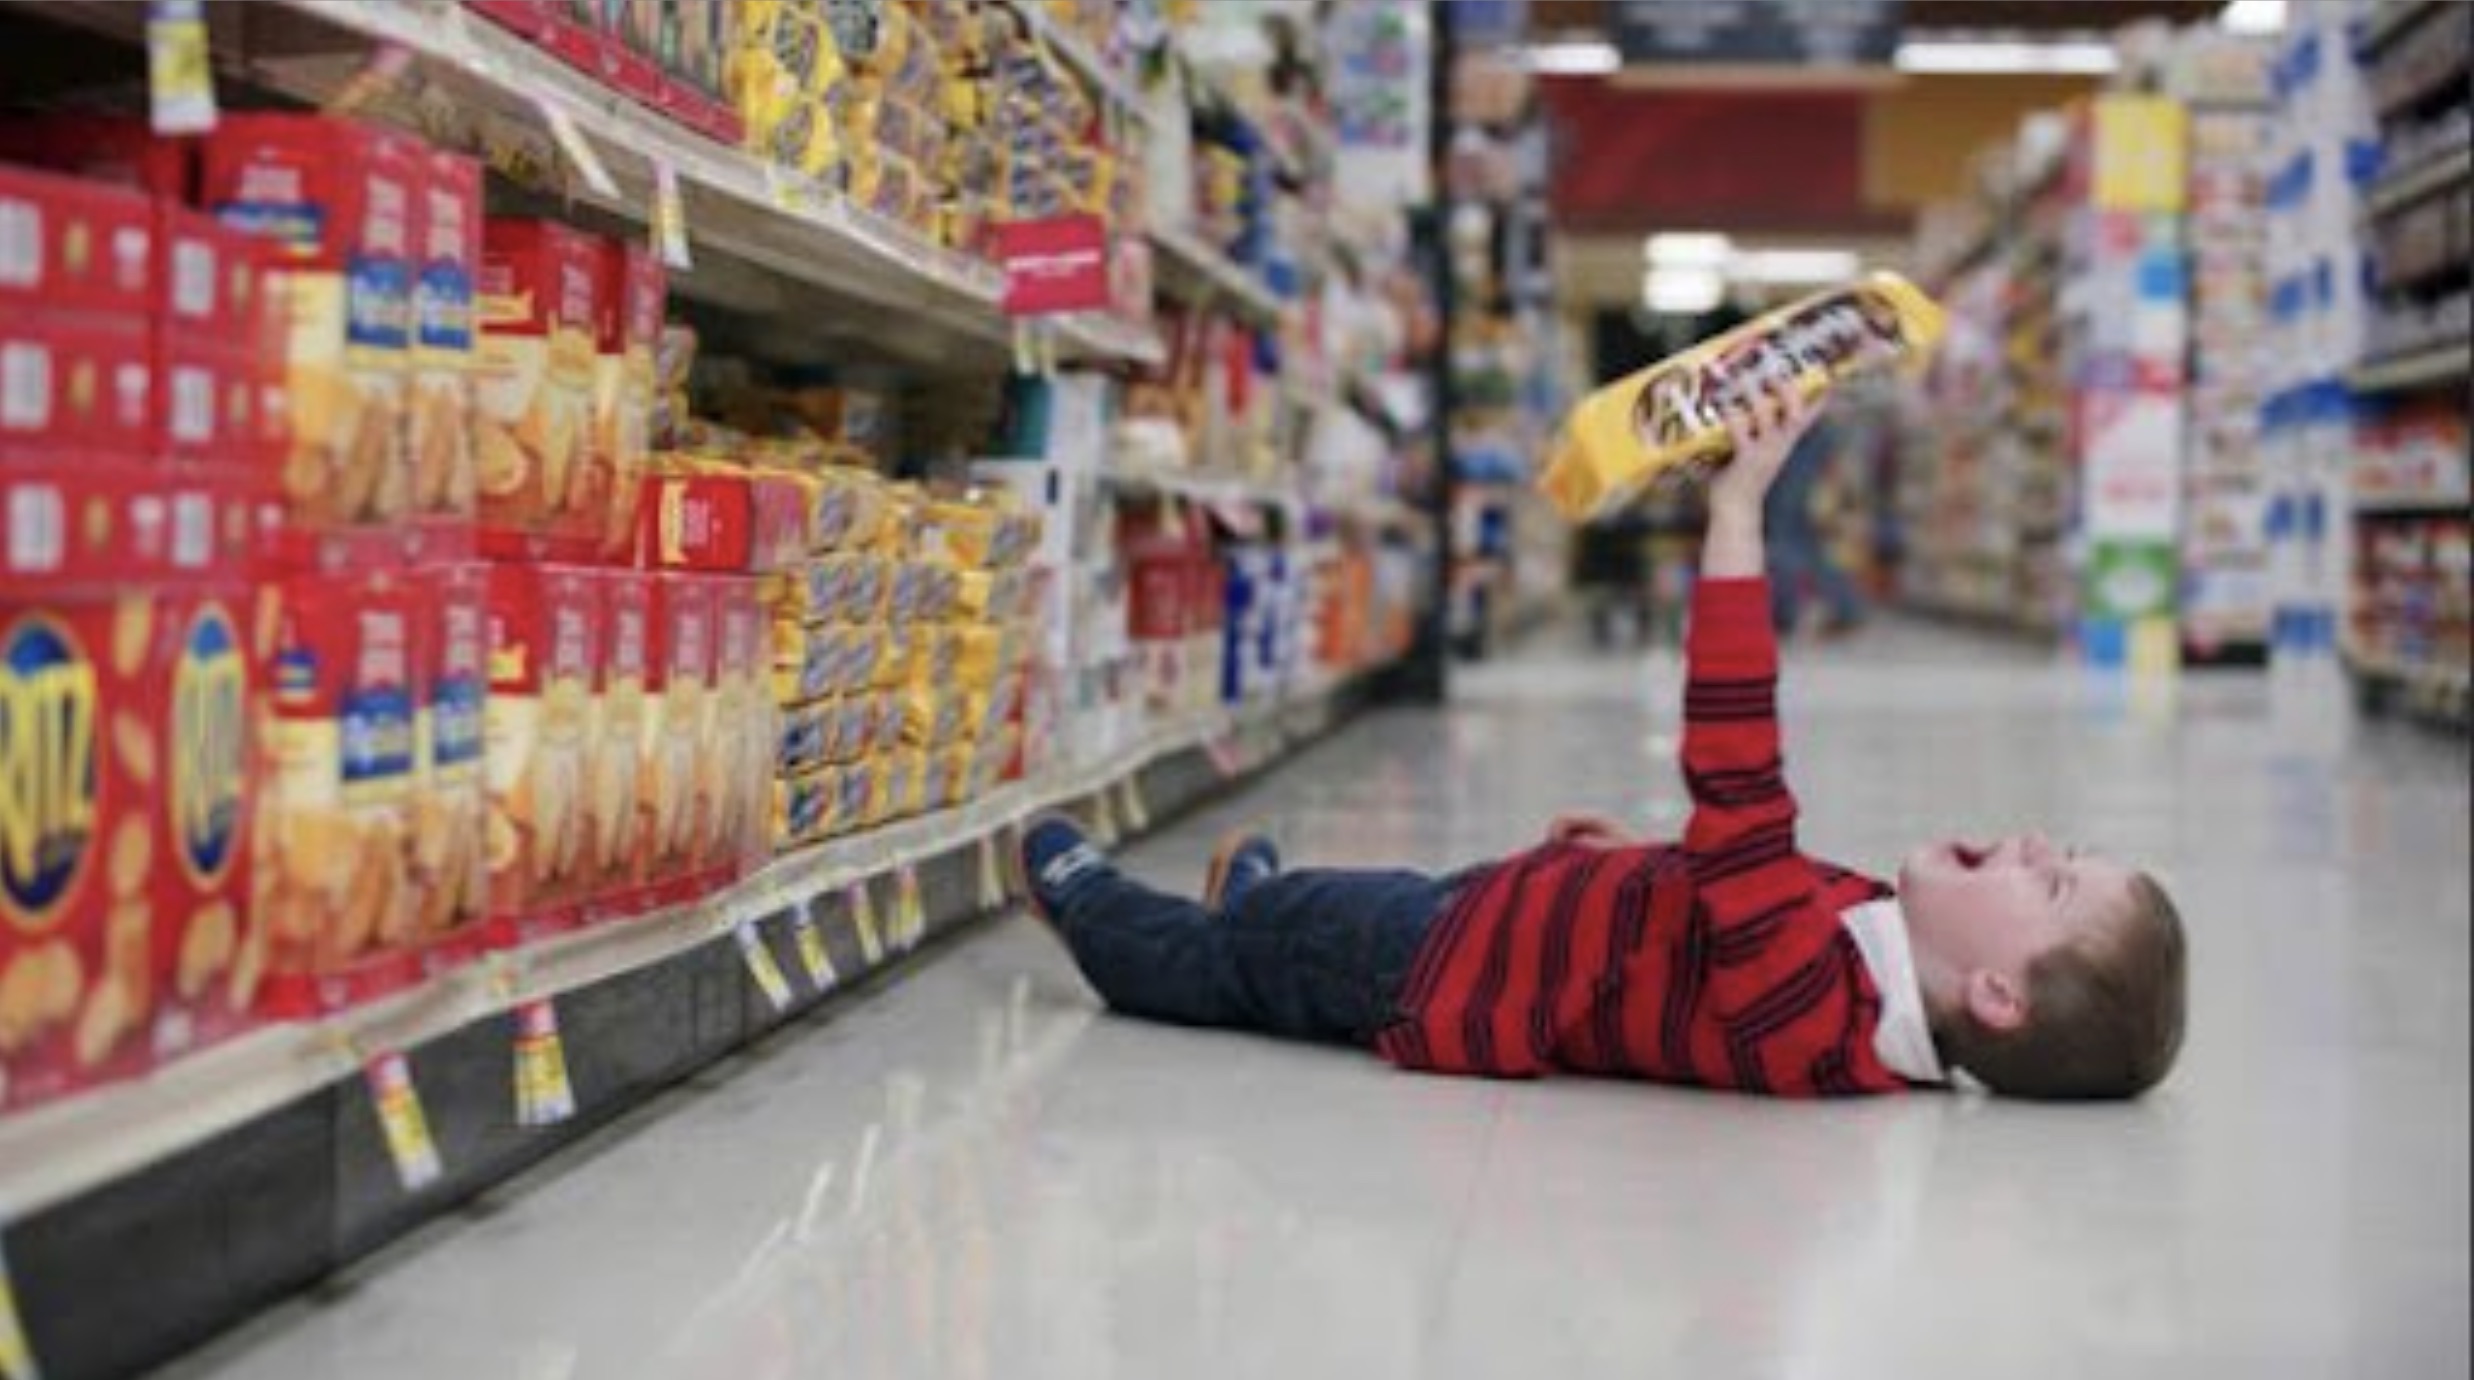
{"type": "Point", "coordinates": [1969, 856]}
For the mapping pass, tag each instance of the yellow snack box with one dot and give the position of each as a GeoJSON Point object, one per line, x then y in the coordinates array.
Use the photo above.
{"type": "Point", "coordinates": [1672, 415]}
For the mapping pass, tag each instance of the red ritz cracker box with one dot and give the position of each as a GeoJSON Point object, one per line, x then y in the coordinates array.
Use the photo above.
{"type": "Point", "coordinates": [541, 490]}
{"type": "Point", "coordinates": [72, 245]}
{"type": "Point", "coordinates": [630, 301]}
{"type": "Point", "coordinates": [731, 523]}
{"type": "Point", "coordinates": [123, 817]}
{"type": "Point", "coordinates": [674, 773]}
{"type": "Point", "coordinates": [67, 523]}
{"type": "Point", "coordinates": [450, 867]}
{"type": "Point", "coordinates": [335, 199]}
{"type": "Point", "coordinates": [334, 884]}
{"type": "Point", "coordinates": [74, 387]}
{"type": "Point", "coordinates": [445, 345]}
{"type": "Point", "coordinates": [615, 743]}
{"type": "Point", "coordinates": [544, 656]}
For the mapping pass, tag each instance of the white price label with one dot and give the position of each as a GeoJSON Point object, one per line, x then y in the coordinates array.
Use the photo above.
{"type": "Point", "coordinates": [544, 1096]}
{"type": "Point", "coordinates": [762, 966]}
{"type": "Point", "coordinates": [16, 1353]}
{"type": "Point", "coordinates": [38, 529]}
{"type": "Point", "coordinates": [21, 243]}
{"type": "Point", "coordinates": [402, 1122]}
{"type": "Point", "coordinates": [180, 80]}
{"type": "Point", "coordinates": [813, 955]}
{"type": "Point", "coordinates": [991, 875]}
{"type": "Point", "coordinates": [1137, 813]}
{"type": "Point", "coordinates": [863, 922]}
{"type": "Point", "coordinates": [910, 914]}
{"type": "Point", "coordinates": [670, 218]}
{"type": "Point", "coordinates": [578, 149]}
{"type": "Point", "coordinates": [25, 386]}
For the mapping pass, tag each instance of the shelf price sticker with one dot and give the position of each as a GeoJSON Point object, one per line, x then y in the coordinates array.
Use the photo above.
{"type": "Point", "coordinates": [1137, 813]}
{"type": "Point", "coordinates": [578, 150]}
{"type": "Point", "coordinates": [991, 875]}
{"type": "Point", "coordinates": [670, 218]}
{"type": "Point", "coordinates": [1223, 754]}
{"type": "Point", "coordinates": [762, 966]}
{"type": "Point", "coordinates": [386, 67]}
{"type": "Point", "coordinates": [544, 1096]}
{"type": "Point", "coordinates": [862, 909]}
{"type": "Point", "coordinates": [180, 80]}
{"type": "Point", "coordinates": [910, 914]}
{"type": "Point", "coordinates": [1104, 819]}
{"type": "Point", "coordinates": [16, 1354]}
{"type": "Point", "coordinates": [813, 956]}
{"type": "Point", "coordinates": [401, 1120]}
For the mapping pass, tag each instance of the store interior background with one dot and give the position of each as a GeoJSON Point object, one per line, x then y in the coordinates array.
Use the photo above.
{"type": "Point", "coordinates": [2171, 545]}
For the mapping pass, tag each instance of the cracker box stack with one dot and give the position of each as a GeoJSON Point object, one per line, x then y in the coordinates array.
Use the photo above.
{"type": "Point", "coordinates": [132, 646]}
{"type": "Point", "coordinates": [834, 640]}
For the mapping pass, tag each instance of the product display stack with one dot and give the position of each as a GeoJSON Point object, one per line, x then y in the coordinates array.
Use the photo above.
{"type": "Point", "coordinates": [2407, 620]}
{"type": "Point", "coordinates": [2223, 80]}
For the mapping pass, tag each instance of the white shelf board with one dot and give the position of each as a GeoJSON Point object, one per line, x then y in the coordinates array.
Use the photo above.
{"type": "Point", "coordinates": [1197, 272]}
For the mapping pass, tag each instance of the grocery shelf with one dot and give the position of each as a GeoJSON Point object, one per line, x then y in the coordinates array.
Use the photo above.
{"type": "Point", "coordinates": [1110, 84]}
{"type": "Point", "coordinates": [1197, 272]}
{"type": "Point", "coordinates": [2425, 176]}
{"type": "Point", "coordinates": [2394, 18]}
{"type": "Point", "coordinates": [2383, 505]}
{"type": "Point", "coordinates": [901, 293]}
{"type": "Point", "coordinates": [53, 1152]}
{"type": "Point", "coordinates": [2452, 362]}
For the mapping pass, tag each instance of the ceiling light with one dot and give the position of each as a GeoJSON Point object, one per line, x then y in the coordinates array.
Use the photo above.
{"type": "Point", "coordinates": [2253, 17]}
{"type": "Point", "coordinates": [1687, 249]}
{"type": "Point", "coordinates": [1794, 265]}
{"type": "Point", "coordinates": [1583, 58]}
{"type": "Point", "coordinates": [1683, 291]}
{"type": "Point", "coordinates": [2000, 58]}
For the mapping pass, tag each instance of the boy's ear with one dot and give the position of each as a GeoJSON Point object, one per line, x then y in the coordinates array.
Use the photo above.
{"type": "Point", "coordinates": [1997, 1003]}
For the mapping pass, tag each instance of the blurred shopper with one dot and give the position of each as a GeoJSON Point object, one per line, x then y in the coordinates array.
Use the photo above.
{"type": "Point", "coordinates": [1800, 559]}
{"type": "Point", "coordinates": [1610, 568]}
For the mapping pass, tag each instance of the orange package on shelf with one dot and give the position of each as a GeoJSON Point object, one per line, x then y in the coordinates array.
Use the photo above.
{"type": "Point", "coordinates": [332, 878]}
{"type": "Point", "coordinates": [335, 198]}
{"type": "Point", "coordinates": [544, 654]}
{"type": "Point", "coordinates": [540, 489]}
{"type": "Point", "coordinates": [672, 815]}
{"type": "Point", "coordinates": [631, 299]}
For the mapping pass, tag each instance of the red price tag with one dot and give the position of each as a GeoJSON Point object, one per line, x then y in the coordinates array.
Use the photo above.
{"type": "Point", "coordinates": [1054, 265]}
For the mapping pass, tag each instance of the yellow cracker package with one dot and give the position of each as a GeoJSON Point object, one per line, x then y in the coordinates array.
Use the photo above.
{"type": "Point", "coordinates": [805, 806]}
{"type": "Point", "coordinates": [1672, 415]}
{"type": "Point", "coordinates": [932, 717]}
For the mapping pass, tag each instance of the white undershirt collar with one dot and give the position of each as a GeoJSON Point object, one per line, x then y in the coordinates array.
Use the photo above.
{"type": "Point", "coordinates": [1904, 1039]}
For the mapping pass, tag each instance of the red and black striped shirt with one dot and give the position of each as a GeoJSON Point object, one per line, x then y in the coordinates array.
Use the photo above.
{"type": "Point", "coordinates": [1719, 960]}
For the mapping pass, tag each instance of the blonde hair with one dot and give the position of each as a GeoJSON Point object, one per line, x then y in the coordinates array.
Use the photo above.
{"type": "Point", "coordinates": [2104, 1016]}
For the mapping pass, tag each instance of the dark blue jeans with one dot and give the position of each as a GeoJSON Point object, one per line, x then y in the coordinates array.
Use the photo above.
{"type": "Point", "coordinates": [1308, 955]}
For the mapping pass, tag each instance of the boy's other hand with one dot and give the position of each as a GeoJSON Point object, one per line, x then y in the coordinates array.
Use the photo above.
{"type": "Point", "coordinates": [1765, 424]}
{"type": "Point", "coordinates": [1588, 831]}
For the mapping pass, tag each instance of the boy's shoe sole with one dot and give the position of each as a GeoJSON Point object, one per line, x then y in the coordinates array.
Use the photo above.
{"type": "Point", "coordinates": [1026, 875]}
{"type": "Point", "coordinates": [1224, 859]}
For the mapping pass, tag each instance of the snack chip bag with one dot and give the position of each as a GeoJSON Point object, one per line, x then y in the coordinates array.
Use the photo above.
{"type": "Point", "coordinates": [1671, 415]}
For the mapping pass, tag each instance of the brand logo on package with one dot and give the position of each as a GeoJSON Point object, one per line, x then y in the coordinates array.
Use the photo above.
{"type": "Point", "coordinates": [210, 727]}
{"type": "Point", "coordinates": [47, 768]}
{"type": "Point", "coordinates": [1055, 265]}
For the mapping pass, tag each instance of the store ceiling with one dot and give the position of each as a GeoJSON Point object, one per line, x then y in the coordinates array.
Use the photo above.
{"type": "Point", "coordinates": [2034, 16]}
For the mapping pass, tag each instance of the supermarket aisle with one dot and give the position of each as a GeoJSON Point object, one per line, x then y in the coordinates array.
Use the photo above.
{"type": "Point", "coordinates": [976, 1175]}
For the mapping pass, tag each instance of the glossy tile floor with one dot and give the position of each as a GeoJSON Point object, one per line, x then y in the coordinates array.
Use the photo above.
{"type": "Point", "coordinates": [976, 1174]}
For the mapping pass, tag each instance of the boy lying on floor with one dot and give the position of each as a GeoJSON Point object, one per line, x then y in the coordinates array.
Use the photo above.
{"type": "Point", "coordinates": [1728, 959]}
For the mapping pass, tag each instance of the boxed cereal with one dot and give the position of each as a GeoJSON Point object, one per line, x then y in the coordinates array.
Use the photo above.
{"type": "Point", "coordinates": [544, 633]}
{"type": "Point", "coordinates": [447, 259]}
{"type": "Point", "coordinates": [450, 869]}
{"type": "Point", "coordinates": [534, 442]}
{"type": "Point", "coordinates": [678, 684]}
{"type": "Point", "coordinates": [621, 713]}
{"type": "Point", "coordinates": [631, 298]}
{"type": "Point", "coordinates": [332, 881]}
{"type": "Point", "coordinates": [336, 198]}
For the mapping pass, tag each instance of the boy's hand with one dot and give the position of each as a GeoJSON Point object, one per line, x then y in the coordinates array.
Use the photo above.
{"type": "Point", "coordinates": [1588, 831]}
{"type": "Point", "coordinates": [1765, 424]}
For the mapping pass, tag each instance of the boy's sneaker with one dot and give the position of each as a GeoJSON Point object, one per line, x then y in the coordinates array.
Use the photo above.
{"type": "Point", "coordinates": [1242, 859]}
{"type": "Point", "coordinates": [1055, 854]}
